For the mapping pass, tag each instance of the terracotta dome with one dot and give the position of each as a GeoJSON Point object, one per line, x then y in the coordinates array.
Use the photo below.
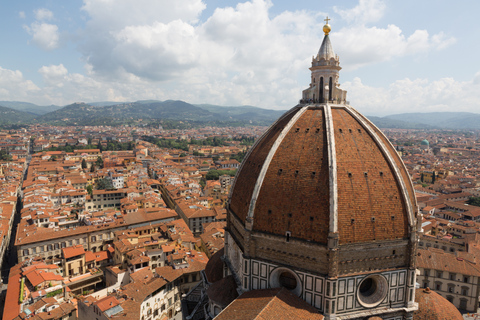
{"type": "Point", "coordinates": [322, 170]}
{"type": "Point", "coordinates": [432, 306]}
{"type": "Point", "coordinates": [214, 267]}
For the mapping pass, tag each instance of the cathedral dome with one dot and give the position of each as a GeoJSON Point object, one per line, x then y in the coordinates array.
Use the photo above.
{"type": "Point", "coordinates": [323, 170]}
{"type": "Point", "coordinates": [432, 306]}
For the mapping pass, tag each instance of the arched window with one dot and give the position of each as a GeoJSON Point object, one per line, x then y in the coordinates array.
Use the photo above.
{"type": "Point", "coordinates": [320, 94]}
{"type": "Point", "coordinates": [330, 89]}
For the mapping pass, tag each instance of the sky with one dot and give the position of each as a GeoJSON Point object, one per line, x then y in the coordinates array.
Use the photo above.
{"type": "Point", "coordinates": [397, 56]}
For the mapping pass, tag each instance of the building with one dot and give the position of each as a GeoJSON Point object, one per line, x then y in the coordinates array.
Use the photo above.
{"type": "Point", "coordinates": [453, 276]}
{"type": "Point", "coordinates": [324, 207]}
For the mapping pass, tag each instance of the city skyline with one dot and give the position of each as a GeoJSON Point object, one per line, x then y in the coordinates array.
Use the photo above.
{"type": "Point", "coordinates": [396, 57]}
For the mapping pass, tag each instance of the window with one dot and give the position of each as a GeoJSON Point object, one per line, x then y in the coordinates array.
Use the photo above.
{"type": "Point", "coordinates": [169, 301]}
{"type": "Point", "coordinates": [56, 246]}
{"type": "Point", "coordinates": [450, 288]}
{"type": "Point", "coordinates": [25, 252]}
{"type": "Point", "coordinates": [426, 272]}
{"type": "Point", "coordinates": [439, 274]}
{"type": "Point", "coordinates": [63, 245]}
{"type": "Point", "coordinates": [465, 279]}
{"type": "Point", "coordinates": [94, 239]}
{"type": "Point", "coordinates": [464, 291]}
{"type": "Point", "coordinates": [438, 286]}
{"type": "Point", "coordinates": [452, 276]}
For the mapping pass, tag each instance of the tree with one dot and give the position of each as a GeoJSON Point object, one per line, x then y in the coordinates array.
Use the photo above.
{"type": "Point", "coordinates": [99, 162]}
{"type": "Point", "coordinates": [182, 155]}
{"type": "Point", "coordinates": [4, 156]}
{"type": "Point", "coordinates": [92, 168]}
{"type": "Point", "coordinates": [474, 201]}
{"type": "Point", "coordinates": [103, 184]}
{"type": "Point", "coordinates": [90, 189]}
{"type": "Point", "coordinates": [84, 164]}
{"type": "Point", "coordinates": [53, 158]}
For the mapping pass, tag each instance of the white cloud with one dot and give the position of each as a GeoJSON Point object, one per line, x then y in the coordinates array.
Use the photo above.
{"type": "Point", "coordinates": [366, 11]}
{"type": "Point", "coordinates": [360, 45]}
{"type": "Point", "coordinates": [239, 55]}
{"type": "Point", "coordinates": [21, 15]}
{"type": "Point", "coordinates": [43, 14]}
{"type": "Point", "coordinates": [44, 35]}
{"type": "Point", "coordinates": [418, 95]}
{"type": "Point", "coordinates": [14, 87]}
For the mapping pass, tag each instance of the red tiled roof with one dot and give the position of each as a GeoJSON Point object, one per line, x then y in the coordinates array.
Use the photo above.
{"type": "Point", "coordinates": [73, 251]}
{"type": "Point", "coordinates": [277, 303]}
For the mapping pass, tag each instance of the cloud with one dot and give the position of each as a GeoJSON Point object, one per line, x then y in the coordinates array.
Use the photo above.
{"type": "Point", "coordinates": [21, 15]}
{"type": "Point", "coordinates": [14, 87]}
{"type": "Point", "coordinates": [43, 14]}
{"type": "Point", "coordinates": [366, 11]}
{"type": "Point", "coordinates": [360, 45]}
{"type": "Point", "coordinates": [238, 55]}
{"type": "Point", "coordinates": [416, 95]}
{"type": "Point", "coordinates": [44, 35]}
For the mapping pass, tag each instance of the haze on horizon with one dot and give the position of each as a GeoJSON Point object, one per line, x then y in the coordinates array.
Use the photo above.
{"type": "Point", "coordinates": [396, 56]}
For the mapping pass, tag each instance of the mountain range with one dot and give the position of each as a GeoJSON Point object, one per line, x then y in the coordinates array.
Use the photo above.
{"type": "Point", "coordinates": [113, 113]}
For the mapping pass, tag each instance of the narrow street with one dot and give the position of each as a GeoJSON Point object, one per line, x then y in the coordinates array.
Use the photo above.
{"type": "Point", "coordinates": [10, 258]}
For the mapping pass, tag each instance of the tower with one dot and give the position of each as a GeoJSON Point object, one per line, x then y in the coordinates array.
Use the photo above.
{"type": "Point", "coordinates": [324, 86]}
{"type": "Point", "coordinates": [323, 206]}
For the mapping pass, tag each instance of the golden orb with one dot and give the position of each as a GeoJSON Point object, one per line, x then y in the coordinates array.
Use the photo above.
{"type": "Point", "coordinates": [327, 29]}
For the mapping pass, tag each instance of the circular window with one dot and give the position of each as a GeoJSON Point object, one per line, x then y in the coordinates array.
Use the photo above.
{"type": "Point", "coordinates": [372, 290]}
{"type": "Point", "coordinates": [287, 280]}
{"type": "Point", "coordinates": [283, 277]}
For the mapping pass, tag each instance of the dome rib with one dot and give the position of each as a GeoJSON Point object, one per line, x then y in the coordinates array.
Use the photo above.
{"type": "Point", "coordinates": [332, 166]}
{"type": "Point", "coordinates": [355, 114]}
{"type": "Point", "coordinates": [268, 160]}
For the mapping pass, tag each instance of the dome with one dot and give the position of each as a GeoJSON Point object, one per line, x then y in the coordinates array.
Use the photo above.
{"type": "Point", "coordinates": [323, 170]}
{"type": "Point", "coordinates": [425, 142]}
{"type": "Point", "coordinates": [432, 306]}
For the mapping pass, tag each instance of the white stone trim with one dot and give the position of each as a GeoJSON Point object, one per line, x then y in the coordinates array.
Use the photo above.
{"type": "Point", "coordinates": [271, 153]}
{"type": "Point", "coordinates": [332, 166]}
{"type": "Point", "coordinates": [253, 148]}
{"type": "Point", "coordinates": [366, 125]}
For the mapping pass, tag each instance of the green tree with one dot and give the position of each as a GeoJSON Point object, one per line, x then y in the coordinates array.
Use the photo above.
{"type": "Point", "coordinates": [4, 156]}
{"type": "Point", "coordinates": [99, 162]}
{"type": "Point", "coordinates": [183, 154]}
{"type": "Point", "coordinates": [474, 201]}
{"type": "Point", "coordinates": [84, 164]}
{"type": "Point", "coordinates": [103, 184]}
{"type": "Point", "coordinates": [90, 189]}
{"type": "Point", "coordinates": [92, 168]}
{"type": "Point", "coordinates": [212, 175]}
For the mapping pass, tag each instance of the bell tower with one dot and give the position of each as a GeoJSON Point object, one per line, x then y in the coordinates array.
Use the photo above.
{"type": "Point", "coordinates": [324, 86]}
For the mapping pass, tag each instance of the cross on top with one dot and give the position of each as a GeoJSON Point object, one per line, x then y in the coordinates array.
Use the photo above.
{"type": "Point", "coordinates": [326, 20]}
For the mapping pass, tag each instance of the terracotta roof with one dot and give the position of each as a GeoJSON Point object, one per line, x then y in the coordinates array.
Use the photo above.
{"type": "Point", "coordinates": [277, 303]}
{"type": "Point", "coordinates": [214, 268]}
{"type": "Point", "coordinates": [300, 172]}
{"type": "Point", "coordinates": [432, 306]}
{"type": "Point", "coordinates": [437, 259]}
{"type": "Point", "coordinates": [73, 251]}
{"type": "Point", "coordinates": [223, 292]}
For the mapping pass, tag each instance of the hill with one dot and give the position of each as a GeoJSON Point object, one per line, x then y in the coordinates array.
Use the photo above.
{"type": "Point", "coordinates": [86, 114]}
{"type": "Point", "coordinates": [444, 120]}
{"type": "Point", "coordinates": [11, 116]}
{"type": "Point", "coordinates": [148, 110]}
{"type": "Point", "coordinates": [29, 107]}
{"type": "Point", "coordinates": [245, 113]}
